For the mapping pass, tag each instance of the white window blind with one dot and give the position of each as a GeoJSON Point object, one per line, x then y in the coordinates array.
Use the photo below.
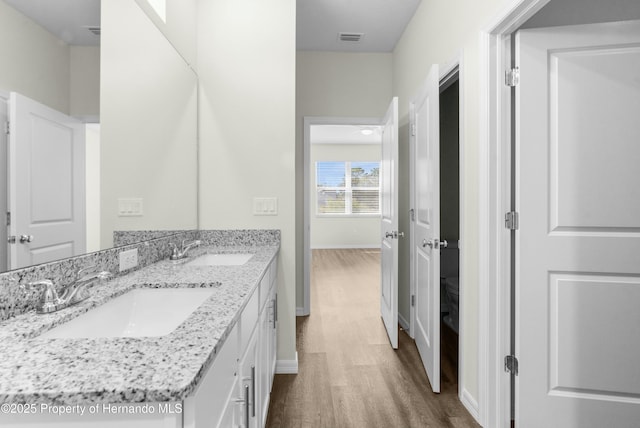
{"type": "Point", "coordinates": [348, 188]}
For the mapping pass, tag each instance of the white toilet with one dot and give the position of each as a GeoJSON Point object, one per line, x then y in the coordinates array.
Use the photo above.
{"type": "Point", "coordinates": [449, 284]}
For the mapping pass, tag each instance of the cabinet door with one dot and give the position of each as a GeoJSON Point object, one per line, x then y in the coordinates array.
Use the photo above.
{"type": "Point", "coordinates": [233, 411]}
{"type": "Point", "coordinates": [263, 359]}
{"type": "Point", "coordinates": [248, 384]}
{"type": "Point", "coordinates": [272, 334]}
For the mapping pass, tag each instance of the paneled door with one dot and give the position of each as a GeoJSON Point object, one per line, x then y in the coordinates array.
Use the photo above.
{"type": "Point", "coordinates": [425, 234]}
{"type": "Point", "coordinates": [46, 183]}
{"type": "Point", "coordinates": [389, 223]}
{"type": "Point", "coordinates": [578, 244]}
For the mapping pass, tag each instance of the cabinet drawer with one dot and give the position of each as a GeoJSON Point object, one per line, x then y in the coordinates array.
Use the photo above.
{"type": "Point", "coordinates": [248, 321]}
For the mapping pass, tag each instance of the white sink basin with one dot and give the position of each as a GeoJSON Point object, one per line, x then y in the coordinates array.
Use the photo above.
{"type": "Point", "coordinates": [220, 260]}
{"type": "Point", "coordinates": [147, 312]}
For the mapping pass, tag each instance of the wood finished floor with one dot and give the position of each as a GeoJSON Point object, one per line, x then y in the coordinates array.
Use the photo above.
{"type": "Point", "coordinates": [348, 374]}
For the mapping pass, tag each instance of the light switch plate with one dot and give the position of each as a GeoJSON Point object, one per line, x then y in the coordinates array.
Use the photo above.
{"type": "Point", "coordinates": [130, 207]}
{"type": "Point", "coordinates": [265, 206]}
{"type": "Point", "coordinates": [128, 259]}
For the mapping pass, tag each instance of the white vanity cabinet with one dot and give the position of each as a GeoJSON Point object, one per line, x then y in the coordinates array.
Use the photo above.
{"type": "Point", "coordinates": [235, 391]}
{"type": "Point", "coordinates": [267, 345]}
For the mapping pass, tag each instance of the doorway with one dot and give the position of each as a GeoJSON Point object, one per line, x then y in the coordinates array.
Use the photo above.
{"type": "Point", "coordinates": [495, 198]}
{"type": "Point", "coordinates": [437, 279]}
{"type": "Point", "coordinates": [449, 226]}
{"type": "Point", "coordinates": [339, 215]}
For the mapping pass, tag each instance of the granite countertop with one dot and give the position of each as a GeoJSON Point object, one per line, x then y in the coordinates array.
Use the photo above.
{"type": "Point", "coordinates": [129, 369]}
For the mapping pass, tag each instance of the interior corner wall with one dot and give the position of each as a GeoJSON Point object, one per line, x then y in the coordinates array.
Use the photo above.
{"type": "Point", "coordinates": [179, 26]}
{"type": "Point", "coordinates": [34, 62]}
{"type": "Point", "coordinates": [148, 114]}
{"type": "Point", "coordinates": [246, 129]}
{"type": "Point", "coordinates": [440, 32]}
{"type": "Point", "coordinates": [84, 82]}
{"type": "Point", "coordinates": [334, 84]}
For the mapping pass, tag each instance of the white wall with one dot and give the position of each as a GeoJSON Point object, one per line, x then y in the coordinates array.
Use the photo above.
{"type": "Point", "coordinates": [148, 114]}
{"type": "Point", "coordinates": [342, 232]}
{"type": "Point", "coordinates": [84, 82]}
{"type": "Point", "coordinates": [335, 84]}
{"type": "Point", "coordinates": [246, 67]}
{"type": "Point", "coordinates": [34, 62]}
{"type": "Point", "coordinates": [432, 37]}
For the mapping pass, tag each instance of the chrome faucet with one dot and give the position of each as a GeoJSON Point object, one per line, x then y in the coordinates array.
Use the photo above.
{"type": "Point", "coordinates": [177, 254]}
{"type": "Point", "coordinates": [49, 300]}
{"type": "Point", "coordinates": [73, 293]}
{"type": "Point", "coordinates": [77, 291]}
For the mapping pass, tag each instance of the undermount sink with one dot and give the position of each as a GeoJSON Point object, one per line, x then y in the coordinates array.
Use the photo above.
{"type": "Point", "coordinates": [147, 312]}
{"type": "Point", "coordinates": [220, 260]}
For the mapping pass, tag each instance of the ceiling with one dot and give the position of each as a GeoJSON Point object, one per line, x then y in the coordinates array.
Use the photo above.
{"type": "Point", "coordinates": [319, 22]}
{"type": "Point", "coordinates": [345, 134]}
{"type": "Point", "coordinates": [381, 22]}
{"type": "Point", "coordinates": [66, 19]}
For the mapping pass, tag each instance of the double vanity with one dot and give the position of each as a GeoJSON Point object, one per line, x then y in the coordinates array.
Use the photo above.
{"type": "Point", "coordinates": [177, 343]}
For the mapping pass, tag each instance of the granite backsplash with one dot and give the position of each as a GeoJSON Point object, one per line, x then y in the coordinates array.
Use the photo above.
{"type": "Point", "coordinates": [16, 300]}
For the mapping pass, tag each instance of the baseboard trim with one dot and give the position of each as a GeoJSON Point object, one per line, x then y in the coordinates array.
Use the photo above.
{"type": "Point", "coordinates": [403, 323]}
{"type": "Point", "coordinates": [346, 247]}
{"type": "Point", "coordinates": [470, 404]}
{"type": "Point", "coordinates": [287, 366]}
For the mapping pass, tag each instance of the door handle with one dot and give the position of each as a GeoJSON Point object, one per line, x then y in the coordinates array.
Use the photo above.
{"type": "Point", "coordinates": [394, 235]}
{"type": "Point", "coordinates": [436, 243]}
{"type": "Point", "coordinates": [26, 238]}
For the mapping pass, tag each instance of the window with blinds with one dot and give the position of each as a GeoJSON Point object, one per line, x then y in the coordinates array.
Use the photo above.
{"type": "Point", "coordinates": [348, 188]}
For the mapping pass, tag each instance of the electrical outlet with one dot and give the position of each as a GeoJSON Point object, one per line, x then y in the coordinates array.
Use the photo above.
{"type": "Point", "coordinates": [128, 259]}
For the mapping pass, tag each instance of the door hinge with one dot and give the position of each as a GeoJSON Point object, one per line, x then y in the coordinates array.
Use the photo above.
{"type": "Point", "coordinates": [511, 220]}
{"type": "Point", "coordinates": [512, 77]}
{"type": "Point", "coordinates": [412, 214]}
{"type": "Point", "coordinates": [8, 218]}
{"type": "Point", "coordinates": [6, 128]}
{"type": "Point", "coordinates": [413, 300]}
{"type": "Point", "coordinates": [511, 365]}
{"type": "Point", "coordinates": [413, 129]}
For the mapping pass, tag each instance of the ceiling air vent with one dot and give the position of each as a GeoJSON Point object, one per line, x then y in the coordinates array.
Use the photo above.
{"type": "Point", "coordinates": [93, 29]}
{"type": "Point", "coordinates": [350, 37]}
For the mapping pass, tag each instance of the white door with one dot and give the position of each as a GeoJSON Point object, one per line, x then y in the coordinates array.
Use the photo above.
{"type": "Point", "coordinates": [390, 234]}
{"type": "Point", "coordinates": [4, 200]}
{"type": "Point", "coordinates": [425, 235]}
{"type": "Point", "coordinates": [578, 243]}
{"type": "Point", "coordinates": [46, 183]}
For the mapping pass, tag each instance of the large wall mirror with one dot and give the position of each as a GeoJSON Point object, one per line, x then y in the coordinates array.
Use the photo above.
{"type": "Point", "coordinates": [103, 127]}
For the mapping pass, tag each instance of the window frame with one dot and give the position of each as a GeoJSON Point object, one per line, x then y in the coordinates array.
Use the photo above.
{"type": "Point", "coordinates": [348, 192]}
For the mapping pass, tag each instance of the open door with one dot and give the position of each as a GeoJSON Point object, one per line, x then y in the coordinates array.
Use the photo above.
{"type": "Point", "coordinates": [578, 241]}
{"type": "Point", "coordinates": [46, 183]}
{"type": "Point", "coordinates": [389, 214]}
{"type": "Point", "coordinates": [425, 235]}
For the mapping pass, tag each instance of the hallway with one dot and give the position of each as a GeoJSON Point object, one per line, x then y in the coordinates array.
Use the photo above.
{"type": "Point", "coordinates": [349, 376]}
